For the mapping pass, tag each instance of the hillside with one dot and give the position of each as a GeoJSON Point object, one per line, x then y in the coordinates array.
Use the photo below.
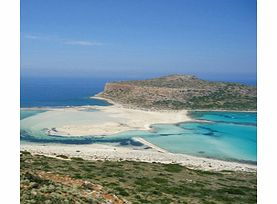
{"type": "Point", "coordinates": [74, 180]}
{"type": "Point", "coordinates": [181, 92]}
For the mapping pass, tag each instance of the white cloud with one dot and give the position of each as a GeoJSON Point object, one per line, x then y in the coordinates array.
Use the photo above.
{"type": "Point", "coordinates": [82, 43]}
{"type": "Point", "coordinates": [32, 36]}
{"type": "Point", "coordinates": [62, 40]}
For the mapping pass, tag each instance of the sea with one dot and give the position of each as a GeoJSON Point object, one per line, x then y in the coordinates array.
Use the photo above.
{"type": "Point", "coordinates": [230, 136]}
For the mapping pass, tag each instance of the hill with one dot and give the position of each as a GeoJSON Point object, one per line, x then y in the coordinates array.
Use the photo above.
{"type": "Point", "coordinates": [181, 92]}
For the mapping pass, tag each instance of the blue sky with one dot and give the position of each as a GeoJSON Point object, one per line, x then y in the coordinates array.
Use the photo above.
{"type": "Point", "coordinates": [213, 39]}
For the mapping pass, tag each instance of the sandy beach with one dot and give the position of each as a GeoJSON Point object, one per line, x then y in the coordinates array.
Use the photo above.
{"type": "Point", "coordinates": [116, 153]}
{"type": "Point", "coordinates": [98, 120]}
{"type": "Point", "coordinates": [108, 120]}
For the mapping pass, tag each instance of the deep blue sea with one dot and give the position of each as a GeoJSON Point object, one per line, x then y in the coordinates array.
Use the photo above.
{"type": "Point", "coordinates": [45, 91]}
{"type": "Point", "coordinates": [39, 92]}
{"type": "Point", "coordinates": [220, 135]}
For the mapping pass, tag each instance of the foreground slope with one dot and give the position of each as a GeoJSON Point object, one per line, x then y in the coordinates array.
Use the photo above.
{"type": "Point", "coordinates": [74, 180]}
{"type": "Point", "coordinates": [181, 92]}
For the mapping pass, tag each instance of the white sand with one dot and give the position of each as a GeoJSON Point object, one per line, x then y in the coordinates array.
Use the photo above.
{"type": "Point", "coordinates": [107, 120]}
{"type": "Point", "coordinates": [77, 121]}
{"type": "Point", "coordinates": [116, 153]}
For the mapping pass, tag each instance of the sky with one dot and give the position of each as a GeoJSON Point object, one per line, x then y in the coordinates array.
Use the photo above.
{"type": "Point", "coordinates": [213, 39]}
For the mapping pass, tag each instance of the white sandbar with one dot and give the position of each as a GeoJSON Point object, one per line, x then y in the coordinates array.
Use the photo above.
{"type": "Point", "coordinates": [105, 120]}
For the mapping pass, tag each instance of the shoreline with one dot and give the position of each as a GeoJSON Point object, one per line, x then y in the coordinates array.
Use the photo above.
{"type": "Point", "coordinates": [117, 153]}
{"type": "Point", "coordinates": [199, 110]}
{"type": "Point", "coordinates": [130, 107]}
{"type": "Point", "coordinates": [93, 106]}
{"type": "Point", "coordinates": [231, 111]}
{"type": "Point", "coordinates": [103, 99]}
{"type": "Point", "coordinates": [106, 120]}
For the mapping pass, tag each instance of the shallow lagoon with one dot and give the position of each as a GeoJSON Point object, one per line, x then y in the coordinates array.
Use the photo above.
{"type": "Point", "coordinates": [29, 113]}
{"type": "Point", "coordinates": [221, 135]}
{"type": "Point", "coordinates": [217, 140]}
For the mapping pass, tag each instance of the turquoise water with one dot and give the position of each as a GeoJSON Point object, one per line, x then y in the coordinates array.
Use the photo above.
{"type": "Point", "coordinates": [235, 117]}
{"type": "Point", "coordinates": [220, 135]}
{"type": "Point", "coordinates": [225, 135]}
{"type": "Point", "coordinates": [29, 113]}
{"type": "Point", "coordinates": [221, 140]}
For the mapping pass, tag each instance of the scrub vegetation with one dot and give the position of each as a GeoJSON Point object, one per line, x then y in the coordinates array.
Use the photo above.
{"type": "Point", "coordinates": [175, 92]}
{"type": "Point", "coordinates": [74, 180]}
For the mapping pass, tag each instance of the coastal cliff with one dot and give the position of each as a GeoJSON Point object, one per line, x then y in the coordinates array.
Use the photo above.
{"type": "Point", "coordinates": [175, 92]}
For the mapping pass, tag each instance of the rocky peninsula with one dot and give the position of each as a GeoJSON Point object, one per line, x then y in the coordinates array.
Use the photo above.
{"type": "Point", "coordinates": [175, 92]}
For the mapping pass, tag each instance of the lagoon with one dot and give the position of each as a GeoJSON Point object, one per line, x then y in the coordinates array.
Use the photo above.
{"type": "Point", "coordinates": [220, 135]}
